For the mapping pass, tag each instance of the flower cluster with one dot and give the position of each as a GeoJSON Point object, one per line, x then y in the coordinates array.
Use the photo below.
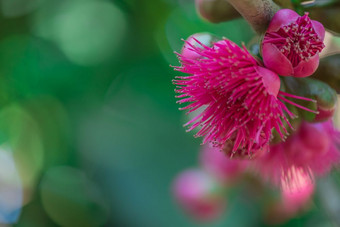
{"type": "Point", "coordinates": [242, 104]}
{"type": "Point", "coordinates": [241, 98]}
{"type": "Point", "coordinates": [292, 165]}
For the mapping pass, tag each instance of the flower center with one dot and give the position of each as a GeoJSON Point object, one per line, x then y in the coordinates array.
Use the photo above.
{"type": "Point", "coordinates": [297, 41]}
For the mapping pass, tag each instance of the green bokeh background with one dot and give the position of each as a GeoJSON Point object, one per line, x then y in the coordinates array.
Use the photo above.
{"type": "Point", "coordinates": [88, 112]}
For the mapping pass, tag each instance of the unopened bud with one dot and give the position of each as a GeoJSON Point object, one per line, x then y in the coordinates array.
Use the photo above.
{"type": "Point", "coordinates": [324, 95]}
{"type": "Point", "coordinates": [216, 11]}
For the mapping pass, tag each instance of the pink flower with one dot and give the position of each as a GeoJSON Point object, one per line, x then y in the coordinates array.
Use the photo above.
{"type": "Point", "coordinates": [314, 148]}
{"type": "Point", "coordinates": [199, 195]}
{"type": "Point", "coordinates": [292, 44]}
{"type": "Point", "coordinates": [223, 168]}
{"type": "Point", "coordinates": [297, 187]}
{"type": "Point", "coordinates": [241, 98]}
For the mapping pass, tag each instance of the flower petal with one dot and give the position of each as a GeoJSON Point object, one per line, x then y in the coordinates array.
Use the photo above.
{"type": "Point", "coordinates": [276, 61]}
{"type": "Point", "coordinates": [281, 18]}
{"type": "Point", "coordinates": [307, 68]}
{"type": "Point", "coordinates": [319, 29]}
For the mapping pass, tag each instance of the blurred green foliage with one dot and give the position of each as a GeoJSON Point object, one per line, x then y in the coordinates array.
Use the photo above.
{"type": "Point", "coordinates": [88, 111]}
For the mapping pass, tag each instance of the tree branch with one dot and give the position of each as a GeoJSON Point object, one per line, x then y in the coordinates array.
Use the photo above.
{"type": "Point", "coordinates": [257, 12]}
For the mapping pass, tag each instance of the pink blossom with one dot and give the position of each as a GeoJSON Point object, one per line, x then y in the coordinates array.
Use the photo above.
{"type": "Point", "coordinates": [199, 195]}
{"type": "Point", "coordinates": [297, 185]}
{"type": "Point", "coordinates": [221, 166]}
{"type": "Point", "coordinates": [241, 98]}
{"type": "Point", "coordinates": [297, 188]}
{"type": "Point", "coordinates": [292, 44]}
{"type": "Point", "coordinates": [314, 147]}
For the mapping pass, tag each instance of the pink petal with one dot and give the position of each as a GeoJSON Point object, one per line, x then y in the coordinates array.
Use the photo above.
{"type": "Point", "coordinates": [307, 68]}
{"type": "Point", "coordinates": [271, 81]}
{"type": "Point", "coordinates": [281, 18]}
{"type": "Point", "coordinates": [276, 61]}
{"type": "Point", "coordinates": [319, 29]}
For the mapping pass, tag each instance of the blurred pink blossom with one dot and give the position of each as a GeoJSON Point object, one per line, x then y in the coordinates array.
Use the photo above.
{"type": "Point", "coordinates": [199, 195]}
{"type": "Point", "coordinates": [297, 186]}
{"type": "Point", "coordinates": [221, 166]}
{"type": "Point", "coordinates": [313, 148]}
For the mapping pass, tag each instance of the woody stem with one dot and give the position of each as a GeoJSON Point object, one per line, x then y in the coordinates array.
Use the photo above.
{"type": "Point", "coordinates": [258, 13]}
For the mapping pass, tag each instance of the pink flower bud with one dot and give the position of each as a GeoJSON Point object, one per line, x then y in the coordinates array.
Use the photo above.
{"type": "Point", "coordinates": [220, 165]}
{"type": "Point", "coordinates": [292, 44]}
{"type": "Point", "coordinates": [199, 195]}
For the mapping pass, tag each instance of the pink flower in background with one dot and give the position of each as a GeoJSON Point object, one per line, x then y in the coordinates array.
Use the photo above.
{"type": "Point", "coordinates": [223, 168]}
{"type": "Point", "coordinates": [241, 98]}
{"type": "Point", "coordinates": [314, 148]}
{"type": "Point", "coordinates": [297, 187]}
{"type": "Point", "coordinates": [199, 195]}
{"type": "Point", "coordinates": [292, 44]}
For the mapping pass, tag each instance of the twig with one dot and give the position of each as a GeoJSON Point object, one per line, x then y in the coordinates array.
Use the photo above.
{"type": "Point", "coordinates": [257, 12]}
